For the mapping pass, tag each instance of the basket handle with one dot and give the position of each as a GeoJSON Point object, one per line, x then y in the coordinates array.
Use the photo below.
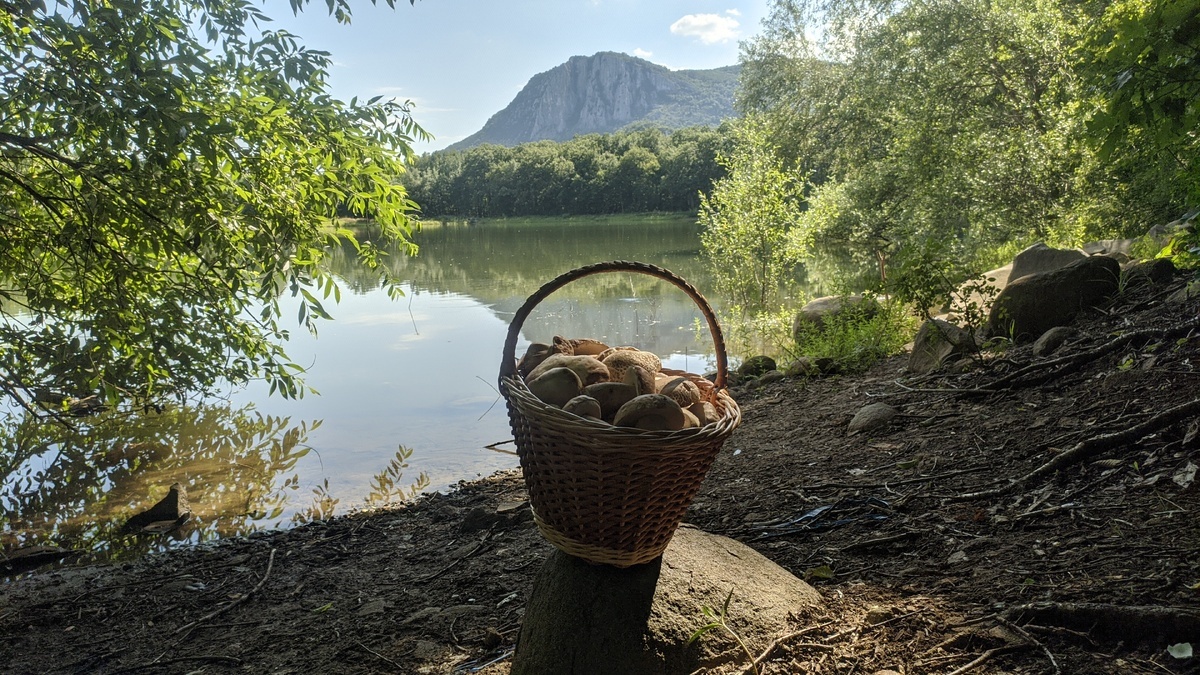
{"type": "Point", "coordinates": [508, 362]}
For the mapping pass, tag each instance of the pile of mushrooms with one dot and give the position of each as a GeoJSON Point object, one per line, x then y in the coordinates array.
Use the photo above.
{"type": "Point", "coordinates": [623, 386]}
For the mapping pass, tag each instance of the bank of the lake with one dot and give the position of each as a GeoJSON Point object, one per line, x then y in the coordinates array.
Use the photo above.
{"type": "Point", "coordinates": [1082, 572]}
{"type": "Point", "coordinates": [407, 390]}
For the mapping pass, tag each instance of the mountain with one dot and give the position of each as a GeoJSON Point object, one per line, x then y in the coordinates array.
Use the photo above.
{"type": "Point", "coordinates": [606, 92]}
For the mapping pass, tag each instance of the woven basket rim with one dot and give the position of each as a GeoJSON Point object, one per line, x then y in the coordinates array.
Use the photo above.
{"type": "Point", "coordinates": [517, 394]}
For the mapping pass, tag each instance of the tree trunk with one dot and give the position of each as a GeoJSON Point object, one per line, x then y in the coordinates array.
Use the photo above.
{"type": "Point", "coordinates": [585, 619]}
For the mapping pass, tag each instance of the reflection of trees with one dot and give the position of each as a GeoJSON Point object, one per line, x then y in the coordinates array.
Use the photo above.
{"type": "Point", "coordinates": [76, 486]}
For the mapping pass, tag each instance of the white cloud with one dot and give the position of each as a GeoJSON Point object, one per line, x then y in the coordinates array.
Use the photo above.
{"type": "Point", "coordinates": [642, 53]}
{"type": "Point", "coordinates": [708, 28]}
{"type": "Point", "coordinates": [733, 12]}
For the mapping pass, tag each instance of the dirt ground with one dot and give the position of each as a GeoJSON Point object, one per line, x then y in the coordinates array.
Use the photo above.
{"type": "Point", "coordinates": [1088, 567]}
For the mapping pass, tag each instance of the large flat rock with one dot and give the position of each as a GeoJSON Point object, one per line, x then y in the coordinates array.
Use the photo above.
{"type": "Point", "coordinates": [595, 619]}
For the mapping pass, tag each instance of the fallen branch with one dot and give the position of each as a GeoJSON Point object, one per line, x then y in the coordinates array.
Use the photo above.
{"type": "Point", "coordinates": [381, 657]}
{"type": "Point", "coordinates": [779, 642]}
{"type": "Point", "coordinates": [1089, 448]}
{"type": "Point", "coordinates": [214, 658]}
{"type": "Point", "coordinates": [235, 603]}
{"type": "Point", "coordinates": [1128, 623]}
{"type": "Point", "coordinates": [1092, 354]}
{"type": "Point", "coordinates": [897, 483]}
{"type": "Point", "coordinates": [983, 658]}
{"type": "Point", "coordinates": [880, 541]}
{"type": "Point", "coordinates": [1025, 634]}
{"type": "Point", "coordinates": [430, 577]}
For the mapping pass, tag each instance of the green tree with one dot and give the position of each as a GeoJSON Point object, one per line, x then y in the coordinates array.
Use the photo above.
{"type": "Point", "coordinates": [751, 222]}
{"type": "Point", "coordinates": [167, 168]}
{"type": "Point", "coordinates": [968, 128]}
{"type": "Point", "coordinates": [1145, 56]}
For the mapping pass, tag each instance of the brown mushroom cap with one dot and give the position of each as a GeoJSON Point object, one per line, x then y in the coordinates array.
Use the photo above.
{"type": "Point", "coordinates": [611, 395]}
{"type": "Point", "coordinates": [555, 386]}
{"type": "Point", "coordinates": [652, 412]}
{"type": "Point", "coordinates": [684, 391]}
{"type": "Point", "coordinates": [584, 406]}
{"type": "Point", "coordinates": [589, 369]}
{"type": "Point", "coordinates": [640, 378]}
{"type": "Point", "coordinates": [705, 412]}
{"type": "Point", "coordinates": [535, 353]}
{"type": "Point", "coordinates": [579, 346]}
{"type": "Point", "coordinates": [618, 361]}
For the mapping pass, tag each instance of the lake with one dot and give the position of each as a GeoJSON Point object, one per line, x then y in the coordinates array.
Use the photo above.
{"type": "Point", "coordinates": [407, 390]}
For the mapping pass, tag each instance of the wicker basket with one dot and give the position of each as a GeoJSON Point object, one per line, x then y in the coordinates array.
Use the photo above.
{"type": "Point", "coordinates": [611, 495]}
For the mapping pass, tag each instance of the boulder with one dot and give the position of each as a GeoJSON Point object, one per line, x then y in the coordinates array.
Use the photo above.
{"type": "Point", "coordinates": [1051, 340]}
{"type": "Point", "coordinates": [936, 342]}
{"type": "Point", "coordinates": [801, 367]}
{"type": "Point", "coordinates": [596, 619]}
{"type": "Point", "coordinates": [817, 311]}
{"type": "Point", "coordinates": [1032, 305]}
{"type": "Point", "coordinates": [1188, 293]}
{"type": "Point", "coordinates": [756, 365]}
{"type": "Point", "coordinates": [1109, 246]}
{"type": "Point", "coordinates": [1158, 270]}
{"type": "Point", "coordinates": [1040, 258]}
{"type": "Point", "coordinates": [871, 417]}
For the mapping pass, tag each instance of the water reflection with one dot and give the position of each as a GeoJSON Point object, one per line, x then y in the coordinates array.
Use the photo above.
{"type": "Point", "coordinates": [407, 381]}
{"type": "Point", "coordinates": [75, 487]}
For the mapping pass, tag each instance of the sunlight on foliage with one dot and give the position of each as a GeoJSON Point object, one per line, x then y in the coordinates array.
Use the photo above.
{"type": "Point", "coordinates": [860, 336]}
{"type": "Point", "coordinates": [166, 171]}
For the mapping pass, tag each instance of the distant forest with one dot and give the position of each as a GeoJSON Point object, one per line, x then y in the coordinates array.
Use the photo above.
{"type": "Point", "coordinates": [625, 172]}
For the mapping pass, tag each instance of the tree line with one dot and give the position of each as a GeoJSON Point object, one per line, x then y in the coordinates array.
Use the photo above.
{"type": "Point", "coordinates": [624, 172]}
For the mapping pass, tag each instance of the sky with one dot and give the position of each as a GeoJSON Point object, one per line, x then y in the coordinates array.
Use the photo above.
{"type": "Point", "coordinates": [461, 61]}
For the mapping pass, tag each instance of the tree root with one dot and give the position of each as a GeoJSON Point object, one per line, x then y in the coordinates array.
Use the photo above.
{"type": "Point", "coordinates": [1070, 361]}
{"type": "Point", "coordinates": [1091, 447]}
{"type": "Point", "coordinates": [235, 603]}
{"type": "Point", "coordinates": [1127, 623]}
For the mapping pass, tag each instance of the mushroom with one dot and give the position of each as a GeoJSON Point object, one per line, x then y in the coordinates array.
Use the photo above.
{"type": "Point", "coordinates": [705, 412]}
{"type": "Point", "coordinates": [535, 353]}
{"type": "Point", "coordinates": [652, 412]}
{"type": "Point", "coordinates": [619, 359]}
{"type": "Point", "coordinates": [584, 406]}
{"type": "Point", "coordinates": [690, 421]}
{"type": "Point", "coordinates": [611, 395]}
{"type": "Point", "coordinates": [555, 386]}
{"type": "Point", "coordinates": [640, 378]}
{"type": "Point", "coordinates": [589, 369]}
{"type": "Point", "coordinates": [579, 346]}
{"type": "Point", "coordinates": [682, 390]}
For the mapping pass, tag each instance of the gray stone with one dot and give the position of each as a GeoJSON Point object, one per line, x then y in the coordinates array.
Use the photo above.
{"type": "Point", "coordinates": [936, 342]}
{"type": "Point", "coordinates": [1185, 294]}
{"type": "Point", "coordinates": [771, 376]}
{"type": "Point", "coordinates": [1158, 270]}
{"type": "Point", "coordinates": [801, 367]}
{"type": "Point", "coordinates": [1051, 340]}
{"type": "Point", "coordinates": [871, 417]}
{"type": "Point", "coordinates": [756, 365]}
{"type": "Point", "coordinates": [585, 619]}
{"type": "Point", "coordinates": [1034, 304]}
{"type": "Point", "coordinates": [1109, 246]}
{"type": "Point", "coordinates": [817, 311]}
{"type": "Point", "coordinates": [1041, 258]}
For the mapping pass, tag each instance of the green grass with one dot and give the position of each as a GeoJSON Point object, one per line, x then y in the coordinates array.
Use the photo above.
{"type": "Point", "coordinates": [855, 341]}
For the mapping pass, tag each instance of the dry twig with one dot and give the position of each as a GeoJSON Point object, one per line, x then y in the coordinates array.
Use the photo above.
{"type": "Point", "coordinates": [235, 603]}
{"type": "Point", "coordinates": [1088, 448]}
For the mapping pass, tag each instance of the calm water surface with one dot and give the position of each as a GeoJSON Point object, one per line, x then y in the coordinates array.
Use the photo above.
{"type": "Point", "coordinates": [407, 390]}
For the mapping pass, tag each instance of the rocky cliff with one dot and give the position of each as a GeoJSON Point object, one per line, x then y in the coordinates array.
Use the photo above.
{"type": "Point", "coordinates": [606, 92]}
